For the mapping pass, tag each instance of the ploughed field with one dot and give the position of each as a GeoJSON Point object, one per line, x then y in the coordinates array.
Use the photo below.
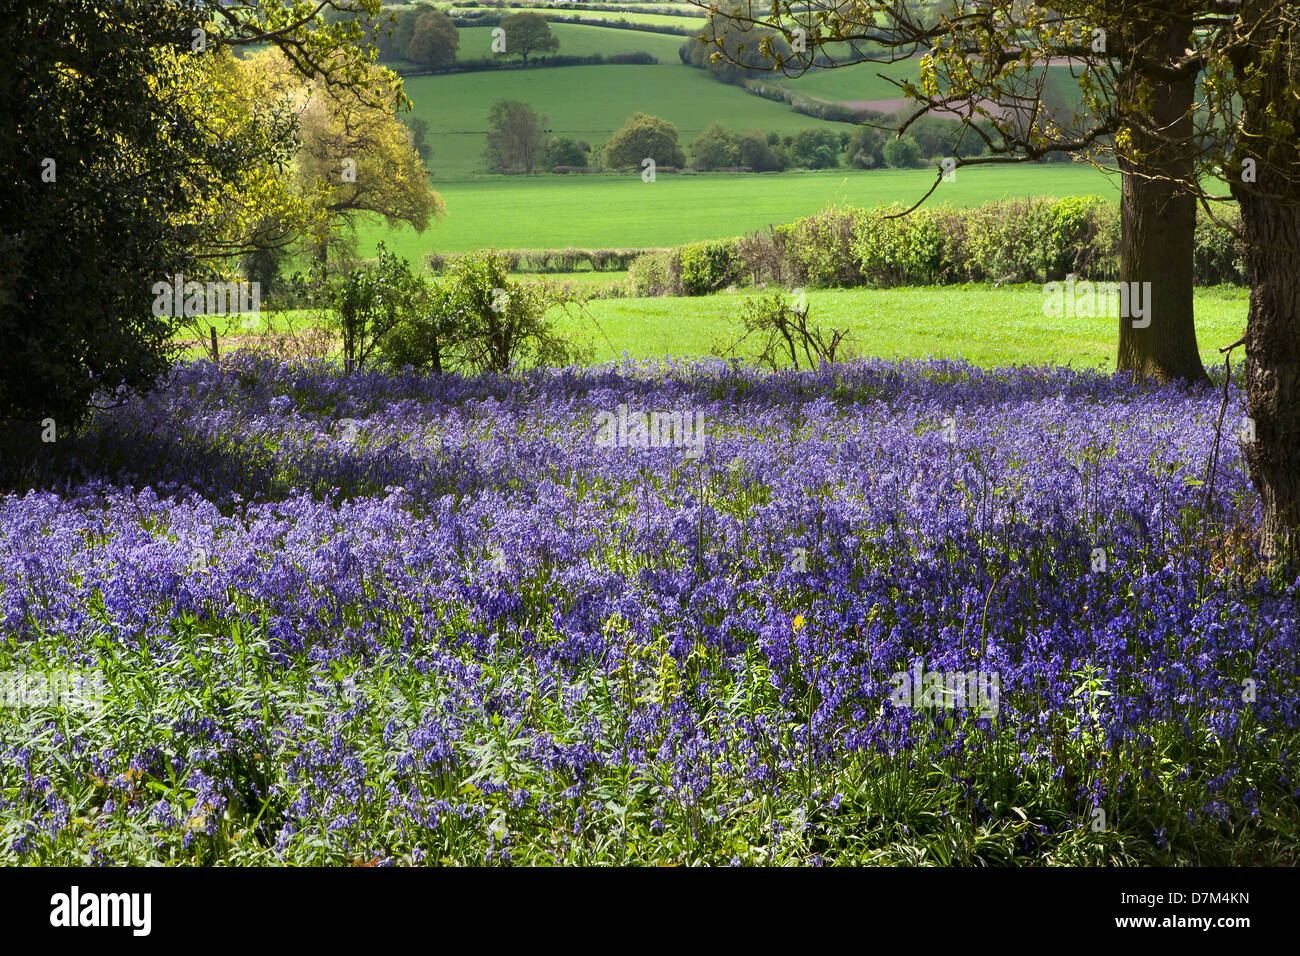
{"type": "Point", "coordinates": [883, 613]}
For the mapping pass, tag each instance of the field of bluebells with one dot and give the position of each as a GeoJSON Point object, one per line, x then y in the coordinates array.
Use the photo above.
{"type": "Point", "coordinates": [399, 620]}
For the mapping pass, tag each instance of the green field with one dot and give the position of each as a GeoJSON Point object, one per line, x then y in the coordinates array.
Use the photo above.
{"type": "Point", "coordinates": [587, 103]}
{"type": "Point", "coordinates": [606, 211]}
{"type": "Point", "coordinates": [987, 326]}
{"type": "Point", "coordinates": [862, 81]}
{"type": "Point", "coordinates": [578, 39]}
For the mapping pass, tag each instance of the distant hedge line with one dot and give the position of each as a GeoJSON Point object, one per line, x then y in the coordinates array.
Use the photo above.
{"type": "Point", "coordinates": [464, 19]}
{"type": "Point", "coordinates": [1030, 240]}
{"type": "Point", "coordinates": [636, 58]}
{"type": "Point", "coordinates": [552, 260]}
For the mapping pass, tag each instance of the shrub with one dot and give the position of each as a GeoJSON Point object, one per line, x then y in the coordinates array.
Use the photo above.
{"type": "Point", "coordinates": [654, 273]}
{"type": "Point", "coordinates": [1082, 240]}
{"type": "Point", "coordinates": [1010, 241]}
{"type": "Point", "coordinates": [905, 250]}
{"type": "Point", "coordinates": [369, 303]}
{"type": "Point", "coordinates": [715, 148]}
{"type": "Point", "coordinates": [819, 249]}
{"type": "Point", "coordinates": [763, 254]}
{"type": "Point", "coordinates": [1218, 255]}
{"type": "Point", "coordinates": [706, 267]}
{"type": "Point", "coordinates": [502, 324]}
{"type": "Point", "coordinates": [757, 153]}
{"type": "Point", "coordinates": [784, 333]}
{"type": "Point", "coordinates": [565, 151]}
{"type": "Point", "coordinates": [815, 149]}
{"type": "Point", "coordinates": [902, 153]}
{"type": "Point", "coordinates": [644, 136]}
{"type": "Point", "coordinates": [867, 148]}
{"type": "Point", "coordinates": [427, 335]}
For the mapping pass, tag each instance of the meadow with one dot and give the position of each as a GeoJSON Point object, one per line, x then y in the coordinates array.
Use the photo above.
{"type": "Point", "coordinates": [857, 618]}
{"type": "Point", "coordinates": [586, 103]}
{"type": "Point", "coordinates": [980, 324]}
{"type": "Point", "coordinates": [580, 39]}
{"type": "Point", "coordinates": [620, 211]}
{"type": "Point", "coordinates": [985, 325]}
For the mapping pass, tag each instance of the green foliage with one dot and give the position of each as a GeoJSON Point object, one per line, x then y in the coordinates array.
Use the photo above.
{"type": "Point", "coordinates": [643, 137]}
{"type": "Point", "coordinates": [757, 152]}
{"type": "Point", "coordinates": [818, 249]}
{"type": "Point", "coordinates": [902, 152]}
{"type": "Point", "coordinates": [867, 148]}
{"type": "Point", "coordinates": [101, 204]}
{"type": "Point", "coordinates": [504, 324]}
{"type": "Point", "coordinates": [434, 41]}
{"type": "Point", "coordinates": [654, 273]}
{"type": "Point", "coordinates": [1219, 254]}
{"type": "Point", "coordinates": [715, 148]}
{"type": "Point", "coordinates": [427, 335]}
{"type": "Point", "coordinates": [816, 149]}
{"type": "Point", "coordinates": [903, 250]}
{"type": "Point", "coordinates": [516, 142]}
{"type": "Point", "coordinates": [528, 33]}
{"type": "Point", "coordinates": [706, 267]}
{"type": "Point", "coordinates": [370, 302]}
{"type": "Point", "coordinates": [566, 151]}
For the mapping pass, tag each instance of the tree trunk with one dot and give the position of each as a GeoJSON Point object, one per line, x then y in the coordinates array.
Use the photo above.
{"type": "Point", "coordinates": [1270, 213]}
{"type": "Point", "coordinates": [1158, 214]}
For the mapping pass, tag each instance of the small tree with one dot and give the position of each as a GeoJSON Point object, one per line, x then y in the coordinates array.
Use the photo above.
{"type": "Point", "coordinates": [428, 336]}
{"type": "Point", "coordinates": [759, 153]}
{"type": "Point", "coordinates": [434, 40]}
{"type": "Point", "coordinates": [902, 153]}
{"type": "Point", "coordinates": [370, 302]}
{"type": "Point", "coordinates": [504, 323]}
{"type": "Point", "coordinates": [567, 152]}
{"type": "Point", "coordinates": [527, 33]}
{"type": "Point", "coordinates": [516, 142]}
{"type": "Point", "coordinates": [644, 137]}
{"type": "Point", "coordinates": [784, 333]}
{"type": "Point", "coordinates": [715, 148]}
{"type": "Point", "coordinates": [867, 148]}
{"type": "Point", "coordinates": [815, 149]}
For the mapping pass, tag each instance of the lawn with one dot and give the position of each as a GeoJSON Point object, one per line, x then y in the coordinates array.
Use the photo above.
{"type": "Point", "coordinates": [620, 211]}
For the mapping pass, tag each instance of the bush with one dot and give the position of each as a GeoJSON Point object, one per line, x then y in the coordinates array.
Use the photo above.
{"type": "Point", "coordinates": [905, 250]}
{"type": "Point", "coordinates": [715, 148]}
{"type": "Point", "coordinates": [815, 149]}
{"type": "Point", "coordinates": [654, 273]}
{"type": "Point", "coordinates": [1085, 239]}
{"type": "Point", "coordinates": [757, 153]}
{"type": "Point", "coordinates": [903, 152]}
{"type": "Point", "coordinates": [818, 250]}
{"type": "Point", "coordinates": [502, 324]}
{"type": "Point", "coordinates": [1218, 255]}
{"type": "Point", "coordinates": [867, 148]}
{"type": "Point", "coordinates": [565, 151]}
{"type": "Point", "coordinates": [706, 267]}
{"type": "Point", "coordinates": [644, 136]}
